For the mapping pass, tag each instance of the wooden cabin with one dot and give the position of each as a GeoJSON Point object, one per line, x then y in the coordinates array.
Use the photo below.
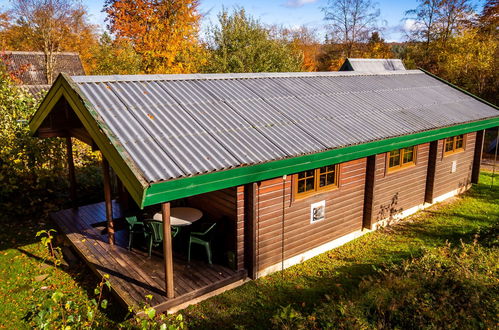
{"type": "Point", "coordinates": [289, 165]}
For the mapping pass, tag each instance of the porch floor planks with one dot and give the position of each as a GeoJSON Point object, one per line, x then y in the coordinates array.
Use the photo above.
{"type": "Point", "coordinates": [132, 274]}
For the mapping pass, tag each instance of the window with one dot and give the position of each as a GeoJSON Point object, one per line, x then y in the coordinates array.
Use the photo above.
{"type": "Point", "coordinates": [454, 144]}
{"type": "Point", "coordinates": [320, 179]}
{"type": "Point", "coordinates": [401, 158]}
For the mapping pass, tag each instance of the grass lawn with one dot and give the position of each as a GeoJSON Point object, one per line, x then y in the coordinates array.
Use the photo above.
{"type": "Point", "coordinates": [356, 285]}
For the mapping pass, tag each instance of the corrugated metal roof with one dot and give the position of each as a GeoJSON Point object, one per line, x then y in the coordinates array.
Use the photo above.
{"type": "Point", "coordinates": [372, 64]}
{"type": "Point", "coordinates": [182, 125]}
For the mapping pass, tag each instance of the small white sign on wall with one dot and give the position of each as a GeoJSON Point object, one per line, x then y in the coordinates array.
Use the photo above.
{"type": "Point", "coordinates": [317, 211]}
{"type": "Point", "coordinates": [454, 166]}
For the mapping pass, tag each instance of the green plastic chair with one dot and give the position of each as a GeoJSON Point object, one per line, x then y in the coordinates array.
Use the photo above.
{"type": "Point", "coordinates": [155, 233]}
{"type": "Point", "coordinates": [202, 238]}
{"type": "Point", "coordinates": [134, 227]}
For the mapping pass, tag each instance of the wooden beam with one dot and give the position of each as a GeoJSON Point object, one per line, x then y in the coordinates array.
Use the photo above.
{"type": "Point", "coordinates": [250, 220]}
{"type": "Point", "coordinates": [369, 192]}
{"type": "Point", "coordinates": [108, 199]}
{"type": "Point", "coordinates": [430, 173]}
{"type": "Point", "coordinates": [71, 171]}
{"type": "Point", "coordinates": [477, 157]}
{"type": "Point", "coordinates": [167, 250]}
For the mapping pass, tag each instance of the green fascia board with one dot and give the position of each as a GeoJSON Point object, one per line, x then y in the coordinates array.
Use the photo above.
{"type": "Point", "coordinates": [179, 188]}
{"type": "Point", "coordinates": [111, 149]}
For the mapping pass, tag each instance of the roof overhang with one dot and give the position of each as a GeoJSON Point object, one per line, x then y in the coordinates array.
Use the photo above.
{"type": "Point", "coordinates": [111, 149]}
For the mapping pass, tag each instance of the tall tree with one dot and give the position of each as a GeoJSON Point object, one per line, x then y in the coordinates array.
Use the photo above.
{"type": "Point", "coordinates": [304, 40]}
{"type": "Point", "coordinates": [50, 26]}
{"type": "Point", "coordinates": [489, 18]}
{"type": "Point", "coordinates": [240, 43]}
{"type": "Point", "coordinates": [115, 57]}
{"type": "Point", "coordinates": [163, 32]}
{"type": "Point", "coordinates": [351, 22]}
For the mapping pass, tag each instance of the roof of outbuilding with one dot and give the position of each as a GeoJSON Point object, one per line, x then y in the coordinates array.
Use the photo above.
{"type": "Point", "coordinates": [175, 126]}
{"type": "Point", "coordinates": [29, 67]}
{"type": "Point", "coordinates": [372, 65]}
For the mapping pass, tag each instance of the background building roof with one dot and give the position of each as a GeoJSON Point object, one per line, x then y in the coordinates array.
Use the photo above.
{"type": "Point", "coordinates": [176, 126]}
{"type": "Point", "coordinates": [372, 65]}
{"type": "Point", "coordinates": [29, 67]}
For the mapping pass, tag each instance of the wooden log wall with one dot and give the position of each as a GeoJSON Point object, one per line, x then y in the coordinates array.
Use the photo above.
{"type": "Point", "coordinates": [399, 190]}
{"type": "Point", "coordinates": [221, 206]}
{"type": "Point", "coordinates": [445, 180]}
{"type": "Point", "coordinates": [276, 210]}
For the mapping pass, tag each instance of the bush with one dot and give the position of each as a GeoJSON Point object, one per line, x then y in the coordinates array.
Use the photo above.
{"type": "Point", "coordinates": [33, 175]}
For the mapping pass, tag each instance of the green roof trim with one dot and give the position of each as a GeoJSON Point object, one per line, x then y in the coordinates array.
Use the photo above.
{"type": "Point", "coordinates": [108, 144]}
{"type": "Point", "coordinates": [185, 187]}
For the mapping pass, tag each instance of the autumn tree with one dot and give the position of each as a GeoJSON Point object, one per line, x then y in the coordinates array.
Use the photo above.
{"type": "Point", "coordinates": [50, 26]}
{"type": "Point", "coordinates": [350, 23]}
{"type": "Point", "coordinates": [115, 57]}
{"type": "Point", "coordinates": [163, 32]}
{"type": "Point", "coordinates": [240, 43]}
{"type": "Point", "coordinates": [470, 61]}
{"type": "Point", "coordinates": [304, 40]}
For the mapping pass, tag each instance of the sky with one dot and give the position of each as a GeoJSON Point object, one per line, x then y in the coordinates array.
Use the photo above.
{"type": "Point", "coordinates": [288, 13]}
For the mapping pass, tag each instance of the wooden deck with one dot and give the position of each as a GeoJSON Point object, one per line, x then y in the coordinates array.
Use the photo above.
{"type": "Point", "coordinates": [132, 274]}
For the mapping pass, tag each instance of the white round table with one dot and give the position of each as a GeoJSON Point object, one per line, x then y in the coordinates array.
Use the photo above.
{"type": "Point", "coordinates": [181, 216]}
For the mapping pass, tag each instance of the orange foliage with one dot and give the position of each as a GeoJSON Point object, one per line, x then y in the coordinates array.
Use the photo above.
{"type": "Point", "coordinates": [163, 32]}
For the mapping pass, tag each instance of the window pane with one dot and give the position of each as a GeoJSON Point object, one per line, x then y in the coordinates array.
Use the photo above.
{"type": "Point", "coordinates": [408, 155]}
{"type": "Point", "coordinates": [331, 178]}
{"type": "Point", "coordinates": [394, 153]}
{"type": "Point", "coordinates": [301, 186]}
{"type": "Point", "coordinates": [449, 144]}
{"type": "Point", "coordinates": [328, 168]}
{"type": "Point", "coordinates": [305, 174]}
{"type": "Point", "coordinates": [322, 180]}
{"type": "Point", "coordinates": [309, 184]}
{"type": "Point", "coordinates": [459, 141]}
{"type": "Point", "coordinates": [394, 161]}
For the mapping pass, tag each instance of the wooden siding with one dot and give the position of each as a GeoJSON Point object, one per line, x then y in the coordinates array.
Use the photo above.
{"type": "Point", "coordinates": [397, 191]}
{"type": "Point", "coordinates": [276, 210]}
{"type": "Point", "coordinates": [223, 205]}
{"type": "Point", "coordinates": [445, 181]}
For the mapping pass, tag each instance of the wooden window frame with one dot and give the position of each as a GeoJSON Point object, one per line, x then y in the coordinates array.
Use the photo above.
{"type": "Point", "coordinates": [402, 165]}
{"type": "Point", "coordinates": [317, 189]}
{"type": "Point", "coordinates": [454, 149]}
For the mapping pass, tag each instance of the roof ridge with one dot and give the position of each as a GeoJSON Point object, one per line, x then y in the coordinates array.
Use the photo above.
{"type": "Point", "coordinates": [221, 76]}
{"type": "Point", "coordinates": [23, 52]}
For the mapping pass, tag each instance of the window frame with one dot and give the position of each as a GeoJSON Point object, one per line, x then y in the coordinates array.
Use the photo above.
{"type": "Point", "coordinates": [401, 165]}
{"type": "Point", "coordinates": [317, 189]}
{"type": "Point", "coordinates": [454, 150]}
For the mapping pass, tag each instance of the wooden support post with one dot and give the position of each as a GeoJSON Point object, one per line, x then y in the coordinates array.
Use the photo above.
{"type": "Point", "coordinates": [430, 172]}
{"type": "Point", "coordinates": [477, 157]}
{"type": "Point", "coordinates": [250, 219]}
{"type": "Point", "coordinates": [108, 199]}
{"type": "Point", "coordinates": [167, 250]}
{"type": "Point", "coordinates": [71, 171]}
{"type": "Point", "coordinates": [369, 192]}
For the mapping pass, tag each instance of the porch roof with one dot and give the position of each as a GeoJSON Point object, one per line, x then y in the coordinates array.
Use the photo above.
{"type": "Point", "coordinates": [171, 136]}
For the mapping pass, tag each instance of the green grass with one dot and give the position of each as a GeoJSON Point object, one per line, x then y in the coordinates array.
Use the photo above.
{"type": "Point", "coordinates": [338, 276]}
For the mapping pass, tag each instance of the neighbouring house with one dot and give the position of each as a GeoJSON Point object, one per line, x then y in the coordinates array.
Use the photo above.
{"type": "Point", "coordinates": [289, 165]}
{"type": "Point", "coordinates": [29, 69]}
{"type": "Point", "coordinates": [372, 64]}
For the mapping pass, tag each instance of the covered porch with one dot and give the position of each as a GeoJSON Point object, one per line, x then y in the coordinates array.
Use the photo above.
{"type": "Point", "coordinates": [133, 275]}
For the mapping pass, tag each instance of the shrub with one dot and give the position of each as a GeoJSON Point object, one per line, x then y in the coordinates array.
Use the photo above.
{"type": "Point", "coordinates": [32, 170]}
